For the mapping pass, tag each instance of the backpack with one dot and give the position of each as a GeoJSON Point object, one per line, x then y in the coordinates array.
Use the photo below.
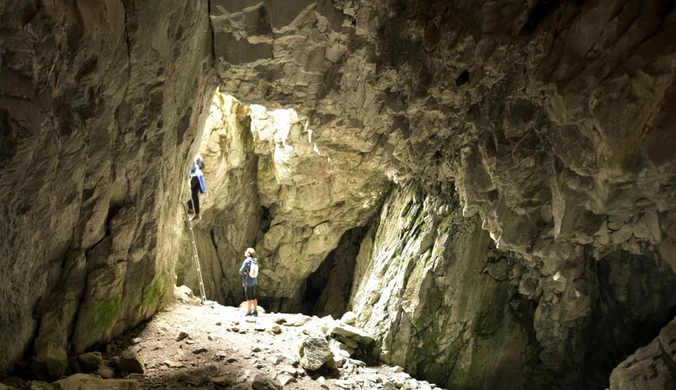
{"type": "Point", "coordinates": [253, 270]}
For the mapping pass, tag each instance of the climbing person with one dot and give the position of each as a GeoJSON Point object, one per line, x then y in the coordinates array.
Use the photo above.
{"type": "Point", "coordinates": [197, 186]}
{"type": "Point", "coordinates": [249, 272]}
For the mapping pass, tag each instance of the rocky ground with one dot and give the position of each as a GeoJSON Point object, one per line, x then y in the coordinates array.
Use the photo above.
{"type": "Point", "coordinates": [193, 346]}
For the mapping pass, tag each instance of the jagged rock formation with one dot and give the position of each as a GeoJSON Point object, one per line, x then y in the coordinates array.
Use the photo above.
{"type": "Point", "coordinates": [550, 118]}
{"type": "Point", "coordinates": [423, 285]}
{"type": "Point", "coordinates": [516, 105]}
{"type": "Point", "coordinates": [552, 121]}
{"type": "Point", "coordinates": [272, 185]}
{"type": "Point", "coordinates": [651, 367]}
{"type": "Point", "coordinates": [98, 112]}
{"type": "Point", "coordinates": [448, 306]}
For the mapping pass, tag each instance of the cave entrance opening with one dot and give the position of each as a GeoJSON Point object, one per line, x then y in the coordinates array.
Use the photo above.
{"type": "Point", "coordinates": [248, 152]}
{"type": "Point", "coordinates": [327, 290]}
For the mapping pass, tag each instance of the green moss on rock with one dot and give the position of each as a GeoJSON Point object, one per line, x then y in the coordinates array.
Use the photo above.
{"type": "Point", "coordinates": [51, 362]}
{"type": "Point", "coordinates": [104, 315]}
{"type": "Point", "coordinates": [155, 291]}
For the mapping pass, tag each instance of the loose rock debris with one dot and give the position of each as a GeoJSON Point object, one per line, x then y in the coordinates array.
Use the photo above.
{"type": "Point", "coordinates": [188, 346]}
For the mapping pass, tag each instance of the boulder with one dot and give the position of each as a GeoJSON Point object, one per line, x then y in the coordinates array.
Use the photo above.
{"type": "Point", "coordinates": [313, 352]}
{"type": "Point", "coordinates": [184, 294]}
{"type": "Point", "coordinates": [351, 332]}
{"type": "Point", "coordinates": [349, 318]}
{"type": "Point", "coordinates": [131, 362]}
{"type": "Point", "coordinates": [285, 379]}
{"type": "Point", "coordinates": [50, 362]}
{"type": "Point", "coordinates": [90, 361]}
{"type": "Point", "coordinates": [350, 343]}
{"type": "Point", "coordinates": [222, 381]}
{"type": "Point", "coordinates": [105, 372]}
{"type": "Point", "coordinates": [262, 382]}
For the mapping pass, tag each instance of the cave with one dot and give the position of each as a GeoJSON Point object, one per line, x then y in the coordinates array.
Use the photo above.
{"type": "Point", "coordinates": [328, 288]}
{"type": "Point", "coordinates": [488, 187]}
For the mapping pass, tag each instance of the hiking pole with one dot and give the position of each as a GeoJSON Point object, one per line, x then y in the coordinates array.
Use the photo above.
{"type": "Point", "coordinates": [203, 295]}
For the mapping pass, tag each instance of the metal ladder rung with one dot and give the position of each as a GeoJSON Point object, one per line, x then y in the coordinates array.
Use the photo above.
{"type": "Point", "coordinates": [203, 295]}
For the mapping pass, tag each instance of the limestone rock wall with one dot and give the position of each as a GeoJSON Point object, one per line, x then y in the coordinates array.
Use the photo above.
{"type": "Point", "coordinates": [521, 95]}
{"type": "Point", "coordinates": [331, 283]}
{"type": "Point", "coordinates": [273, 187]}
{"type": "Point", "coordinates": [314, 191]}
{"type": "Point", "coordinates": [425, 287]}
{"type": "Point", "coordinates": [212, 273]}
{"type": "Point", "coordinates": [635, 300]}
{"type": "Point", "coordinates": [99, 105]}
{"type": "Point", "coordinates": [448, 306]}
{"type": "Point", "coordinates": [651, 367]}
{"type": "Point", "coordinates": [553, 120]}
{"type": "Point", "coordinates": [231, 210]}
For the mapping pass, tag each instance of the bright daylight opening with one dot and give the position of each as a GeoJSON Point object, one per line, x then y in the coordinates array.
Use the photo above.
{"type": "Point", "coordinates": [253, 167]}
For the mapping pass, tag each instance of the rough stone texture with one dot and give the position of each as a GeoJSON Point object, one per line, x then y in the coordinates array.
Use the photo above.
{"type": "Point", "coordinates": [651, 367]}
{"type": "Point", "coordinates": [131, 362]}
{"type": "Point", "coordinates": [261, 382]}
{"type": "Point", "coordinates": [335, 284]}
{"type": "Point", "coordinates": [635, 299]}
{"type": "Point", "coordinates": [212, 273]}
{"type": "Point", "coordinates": [99, 104]}
{"type": "Point", "coordinates": [313, 352]}
{"type": "Point", "coordinates": [495, 95]}
{"type": "Point", "coordinates": [273, 188]}
{"type": "Point", "coordinates": [90, 361]}
{"type": "Point", "coordinates": [492, 95]}
{"type": "Point", "coordinates": [447, 306]}
{"type": "Point", "coordinates": [83, 381]}
{"type": "Point", "coordinates": [230, 210]}
{"type": "Point", "coordinates": [420, 289]}
{"type": "Point", "coordinates": [552, 120]}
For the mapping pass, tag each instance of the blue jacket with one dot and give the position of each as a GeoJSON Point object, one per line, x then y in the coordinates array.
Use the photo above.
{"type": "Point", "coordinates": [244, 271]}
{"type": "Point", "coordinates": [197, 172]}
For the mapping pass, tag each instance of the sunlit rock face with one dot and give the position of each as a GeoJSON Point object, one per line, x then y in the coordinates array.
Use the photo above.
{"type": "Point", "coordinates": [99, 104]}
{"type": "Point", "coordinates": [442, 301]}
{"type": "Point", "coordinates": [231, 212]}
{"type": "Point", "coordinates": [553, 120]}
{"type": "Point", "coordinates": [272, 186]}
{"type": "Point", "coordinates": [548, 125]}
{"type": "Point", "coordinates": [448, 306]}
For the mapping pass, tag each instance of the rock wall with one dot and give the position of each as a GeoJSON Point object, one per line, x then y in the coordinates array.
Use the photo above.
{"type": "Point", "coordinates": [651, 367]}
{"type": "Point", "coordinates": [332, 281]}
{"type": "Point", "coordinates": [231, 210]}
{"type": "Point", "coordinates": [212, 272]}
{"type": "Point", "coordinates": [551, 119]}
{"type": "Point", "coordinates": [99, 105]}
{"type": "Point", "coordinates": [492, 95]}
{"type": "Point", "coordinates": [449, 307]}
{"type": "Point", "coordinates": [425, 287]}
{"type": "Point", "coordinates": [271, 186]}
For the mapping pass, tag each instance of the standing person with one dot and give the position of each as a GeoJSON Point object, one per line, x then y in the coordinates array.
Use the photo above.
{"type": "Point", "coordinates": [197, 186]}
{"type": "Point", "coordinates": [249, 272]}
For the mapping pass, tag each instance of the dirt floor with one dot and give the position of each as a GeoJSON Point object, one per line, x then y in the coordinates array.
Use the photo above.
{"type": "Point", "coordinates": [189, 345]}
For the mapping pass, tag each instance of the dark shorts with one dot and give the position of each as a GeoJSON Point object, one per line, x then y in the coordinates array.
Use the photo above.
{"type": "Point", "coordinates": [250, 292]}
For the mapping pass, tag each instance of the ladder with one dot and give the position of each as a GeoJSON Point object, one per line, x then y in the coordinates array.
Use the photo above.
{"type": "Point", "coordinates": [203, 295]}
